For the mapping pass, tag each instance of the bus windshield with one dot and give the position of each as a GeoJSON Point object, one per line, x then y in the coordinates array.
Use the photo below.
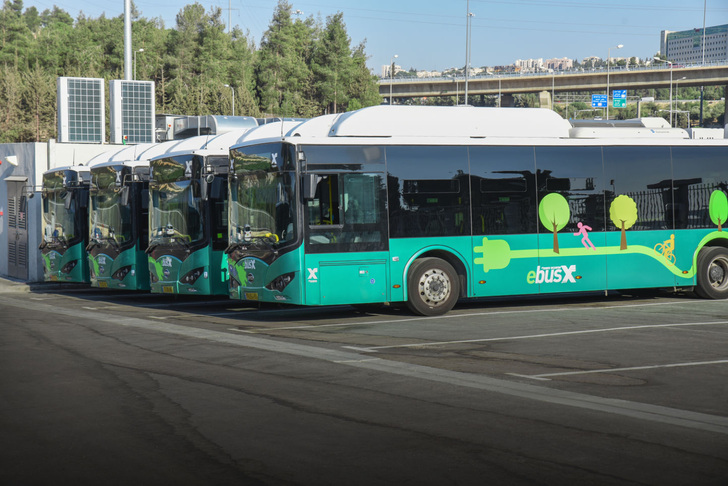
{"type": "Point", "coordinates": [59, 210]}
{"type": "Point", "coordinates": [262, 195]}
{"type": "Point", "coordinates": [110, 220]}
{"type": "Point", "coordinates": [175, 201]}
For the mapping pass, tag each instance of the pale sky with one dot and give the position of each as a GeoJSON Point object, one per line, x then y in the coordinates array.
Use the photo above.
{"type": "Point", "coordinates": [431, 34]}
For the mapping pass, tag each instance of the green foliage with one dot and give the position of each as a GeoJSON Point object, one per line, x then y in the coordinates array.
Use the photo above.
{"type": "Point", "coordinates": [623, 213]}
{"type": "Point", "coordinates": [301, 69]}
{"type": "Point", "coordinates": [554, 213]}
{"type": "Point", "coordinates": [718, 208]}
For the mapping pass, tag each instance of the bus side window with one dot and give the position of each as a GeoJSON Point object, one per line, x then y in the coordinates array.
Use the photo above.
{"type": "Point", "coordinates": [323, 209]}
{"type": "Point", "coordinates": [428, 191]}
{"type": "Point", "coordinates": [697, 173]}
{"type": "Point", "coordinates": [503, 181]}
{"type": "Point", "coordinates": [347, 214]}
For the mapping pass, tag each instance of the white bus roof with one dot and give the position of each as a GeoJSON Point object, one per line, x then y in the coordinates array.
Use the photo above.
{"type": "Point", "coordinates": [203, 145]}
{"type": "Point", "coordinates": [644, 122]}
{"type": "Point", "coordinates": [427, 125]}
{"type": "Point", "coordinates": [627, 132]}
{"type": "Point", "coordinates": [272, 130]}
{"type": "Point", "coordinates": [109, 154]}
{"type": "Point", "coordinates": [221, 143]}
{"type": "Point", "coordinates": [450, 121]}
{"type": "Point", "coordinates": [315, 127]}
{"type": "Point", "coordinates": [128, 163]}
{"type": "Point", "coordinates": [74, 168]}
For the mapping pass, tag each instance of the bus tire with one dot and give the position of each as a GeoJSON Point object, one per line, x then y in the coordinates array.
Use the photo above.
{"type": "Point", "coordinates": [712, 273]}
{"type": "Point", "coordinates": [433, 287]}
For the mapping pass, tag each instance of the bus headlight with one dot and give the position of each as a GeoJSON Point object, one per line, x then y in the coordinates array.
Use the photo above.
{"type": "Point", "coordinates": [191, 277]}
{"type": "Point", "coordinates": [281, 282]}
{"type": "Point", "coordinates": [121, 273]}
{"type": "Point", "coordinates": [69, 266]}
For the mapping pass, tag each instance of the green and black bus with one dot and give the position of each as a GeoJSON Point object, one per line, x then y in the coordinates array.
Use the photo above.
{"type": "Point", "coordinates": [188, 217]}
{"type": "Point", "coordinates": [119, 225]}
{"type": "Point", "coordinates": [65, 195]}
{"type": "Point", "coordinates": [428, 205]}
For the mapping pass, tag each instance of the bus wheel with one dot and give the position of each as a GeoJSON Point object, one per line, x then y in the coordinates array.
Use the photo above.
{"type": "Point", "coordinates": [712, 273]}
{"type": "Point", "coordinates": [432, 287]}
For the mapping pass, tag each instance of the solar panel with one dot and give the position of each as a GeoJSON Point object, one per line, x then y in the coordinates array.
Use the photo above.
{"type": "Point", "coordinates": [81, 110]}
{"type": "Point", "coordinates": [132, 111]}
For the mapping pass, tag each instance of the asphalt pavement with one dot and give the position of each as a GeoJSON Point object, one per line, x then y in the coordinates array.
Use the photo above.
{"type": "Point", "coordinates": [128, 388]}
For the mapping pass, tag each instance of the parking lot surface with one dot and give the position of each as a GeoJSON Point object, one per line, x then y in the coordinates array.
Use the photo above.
{"type": "Point", "coordinates": [619, 389]}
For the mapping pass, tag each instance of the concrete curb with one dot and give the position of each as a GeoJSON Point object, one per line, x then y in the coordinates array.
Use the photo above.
{"type": "Point", "coordinates": [11, 285]}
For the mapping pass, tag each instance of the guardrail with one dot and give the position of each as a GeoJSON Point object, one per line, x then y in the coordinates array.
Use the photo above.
{"type": "Point", "coordinates": [576, 72]}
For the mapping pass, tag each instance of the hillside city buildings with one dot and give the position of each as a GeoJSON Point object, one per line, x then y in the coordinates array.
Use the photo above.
{"type": "Point", "coordinates": [684, 47]}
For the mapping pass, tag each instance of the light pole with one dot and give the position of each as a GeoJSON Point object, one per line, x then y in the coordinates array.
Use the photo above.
{"type": "Point", "coordinates": [391, 77]}
{"type": "Point", "coordinates": [609, 61]}
{"type": "Point", "coordinates": [468, 23]}
{"type": "Point", "coordinates": [702, 88]}
{"type": "Point", "coordinates": [135, 53]}
{"type": "Point", "coordinates": [499, 91]}
{"type": "Point", "coordinates": [677, 95]}
{"type": "Point", "coordinates": [457, 89]}
{"type": "Point", "coordinates": [670, 63]}
{"type": "Point", "coordinates": [233, 90]}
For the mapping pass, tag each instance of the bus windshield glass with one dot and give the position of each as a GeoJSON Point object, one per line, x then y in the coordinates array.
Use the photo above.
{"type": "Point", "coordinates": [110, 219]}
{"type": "Point", "coordinates": [174, 190]}
{"type": "Point", "coordinates": [262, 195]}
{"type": "Point", "coordinates": [59, 209]}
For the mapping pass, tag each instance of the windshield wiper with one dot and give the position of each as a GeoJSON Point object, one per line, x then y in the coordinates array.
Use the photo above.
{"type": "Point", "coordinates": [165, 235]}
{"type": "Point", "coordinates": [257, 236]}
{"type": "Point", "coordinates": [182, 242]}
{"type": "Point", "coordinates": [94, 242]}
{"type": "Point", "coordinates": [114, 242]}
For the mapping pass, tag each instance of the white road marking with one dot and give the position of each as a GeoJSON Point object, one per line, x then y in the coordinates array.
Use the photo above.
{"type": "Point", "coordinates": [371, 349]}
{"type": "Point", "coordinates": [546, 376]}
{"type": "Point", "coordinates": [450, 315]}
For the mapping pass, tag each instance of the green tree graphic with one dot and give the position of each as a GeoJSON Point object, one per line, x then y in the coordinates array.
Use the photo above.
{"type": "Point", "coordinates": [718, 208]}
{"type": "Point", "coordinates": [623, 213]}
{"type": "Point", "coordinates": [554, 213]}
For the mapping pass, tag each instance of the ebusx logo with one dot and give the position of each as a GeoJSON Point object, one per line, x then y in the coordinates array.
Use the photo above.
{"type": "Point", "coordinates": [558, 274]}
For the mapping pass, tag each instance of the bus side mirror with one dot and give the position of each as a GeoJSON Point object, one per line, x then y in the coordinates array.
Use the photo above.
{"type": "Point", "coordinates": [125, 196]}
{"type": "Point", "coordinates": [310, 181]}
{"type": "Point", "coordinates": [83, 198]}
{"type": "Point", "coordinates": [217, 189]}
{"type": "Point", "coordinates": [205, 187]}
{"type": "Point", "coordinates": [67, 199]}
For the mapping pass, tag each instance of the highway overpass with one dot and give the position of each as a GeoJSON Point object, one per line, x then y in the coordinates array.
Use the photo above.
{"type": "Point", "coordinates": [548, 84]}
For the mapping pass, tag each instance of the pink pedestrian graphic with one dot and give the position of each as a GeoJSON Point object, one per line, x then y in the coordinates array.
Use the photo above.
{"type": "Point", "coordinates": [585, 236]}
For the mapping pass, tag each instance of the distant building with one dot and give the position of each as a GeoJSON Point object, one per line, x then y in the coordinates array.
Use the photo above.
{"type": "Point", "coordinates": [506, 69]}
{"type": "Point", "coordinates": [529, 65]}
{"type": "Point", "coordinates": [559, 64]}
{"type": "Point", "coordinates": [428, 74]}
{"type": "Point", "coordinates": [387, 68]}
{"type": "Point", "coordinates": [687, 46]}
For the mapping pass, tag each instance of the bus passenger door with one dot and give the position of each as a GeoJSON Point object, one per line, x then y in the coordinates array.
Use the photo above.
{"type": "Point", "coordinates": [346, 243]}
